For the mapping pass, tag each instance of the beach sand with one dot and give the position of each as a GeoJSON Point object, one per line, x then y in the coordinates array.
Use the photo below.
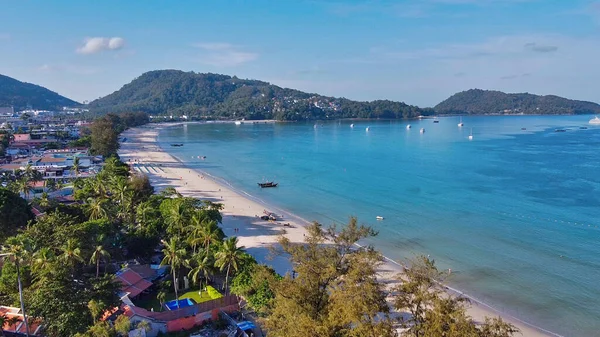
{"type": "Point", "coordinates": [243, 214]}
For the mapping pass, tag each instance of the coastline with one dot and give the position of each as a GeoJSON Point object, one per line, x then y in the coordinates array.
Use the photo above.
{"type": "Point", "coordinates": [242, 211]}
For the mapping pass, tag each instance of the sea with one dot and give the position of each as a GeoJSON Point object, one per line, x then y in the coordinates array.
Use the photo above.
{"type": "Point", "coordinates": [513, 212]}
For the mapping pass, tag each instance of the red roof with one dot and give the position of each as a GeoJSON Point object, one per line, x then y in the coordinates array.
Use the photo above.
{"type": "Point", "coordinates": [133, 283]}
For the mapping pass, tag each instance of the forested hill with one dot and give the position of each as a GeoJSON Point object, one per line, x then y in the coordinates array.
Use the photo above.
{"type": "Point", "coordinates": [479, 102]}
{"type": "Point", "coordinates": [174, 92]}
{"type": "Point", "coordinates": [21, 95]}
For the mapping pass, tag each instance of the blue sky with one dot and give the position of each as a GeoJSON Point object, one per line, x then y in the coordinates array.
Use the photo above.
{"type": "Point", "coordinates": [416, 51]}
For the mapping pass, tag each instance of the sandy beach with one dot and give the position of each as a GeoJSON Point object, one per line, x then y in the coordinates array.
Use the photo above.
{"type": "Point", "coordinates": [243, 214]}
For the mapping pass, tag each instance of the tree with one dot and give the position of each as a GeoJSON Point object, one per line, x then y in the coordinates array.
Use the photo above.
{"type": "Point", "coordinates": [99, 254]}
{"type": "Point", "coordinates": [433, 312]}
{"type": "Point", "coordinates": [144, 325]}
{"type": "Point", "coordinates": [201, 266]}
{"type": "Point", "coordinates": [334, 291]}
{"type": "Point", "coordinates": [229, 256]}
{"type": "Point", "coordinates": [210, 233]}
{"type": "Point", "coordinates": [161, 297]}
{"type": "Point", "coordinates": [96, 309]}
{"type": "Point", "coordinates": [71, 253]}
{"type": "Point", "coordinates": [24, 187]}
{"type": "Point", "coordinates": [122, 325]}
{"type": "Point", "coordinates": [14, 213]}
{"type": "Point", "coordinates": [75, 166]}
{"type": "Point", "coordinates": [174, 257]}
{"type": "Point", "coordinates": [43, 261]}
{"type": "Point", "coordinates": [98, 208]}
{"type": "Point", "coordinates": [105, 138]}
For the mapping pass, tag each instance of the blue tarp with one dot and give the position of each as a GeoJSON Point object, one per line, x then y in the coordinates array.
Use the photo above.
{"type": "Point", "coordinates": [245, 325]}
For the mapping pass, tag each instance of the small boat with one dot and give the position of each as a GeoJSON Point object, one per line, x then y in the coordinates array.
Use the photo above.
{"type": "Point", "coordinates": [583, 128]}
{"type": "Point", "coordinates": [435, 120]}
{"type": "Point", "coordinates": [379, 217]}
{"type": "Point", "coordinates": [267, 184]}
{"type": "Point", "coordinates": [560, 130]}
{"type": "Point", "coordinates": [408, 127]}
{"type": "Point", "coordinates": [471, 134]}
{"type": "Point", "coordinates": [177, 145]}
{"type": "Point", "coordinates": [595, 121]}
{"type": "Point", "coordinates": [368, 128]}
{"type": "Point", "coordinates": [351, 125]}
{"type": "Point", "coordinates": [315, 126]}
{"type": "Point", "coordinates": [422, 130]}
{"type": "Point", "coordinates": [239, 122]}
{"type": "Point", "coordinates": [461, 124]}
{"type": "Point", "coordinates": [523, 129]}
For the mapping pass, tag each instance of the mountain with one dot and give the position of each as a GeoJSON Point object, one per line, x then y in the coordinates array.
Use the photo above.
{"type": "Point", "coordinates": [479, 102]}
{"type": "Point", "coordinates": [22, 95]}
{"type": "Point", "coordinates": [175, 92]}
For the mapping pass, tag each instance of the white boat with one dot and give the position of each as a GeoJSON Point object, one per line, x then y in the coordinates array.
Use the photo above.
{"type": "Point", "coordinates": [315, 126]}
{"type": "Point", "coordinates": [368, 128]}
{"type": "Point", "coordinates": [351, 125]}
{"type": "Point", "coordinates": [461, 124]}
{"type": "Point", "coordinates": [422, 130]}
{"type": "Point", "coordinates": [471, 134]}
{"type": "Point", "coordinates": [595, 121]}
{"type": "Point", "coordinates": [379, 217]}
{"type": "Point", "coordinates": [238, 123]}
{"type": "Point", "coordinates": [408, 127]}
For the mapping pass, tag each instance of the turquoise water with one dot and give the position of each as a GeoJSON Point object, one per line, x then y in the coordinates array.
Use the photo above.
{"type": "Point", "coordinates": [513, 212]}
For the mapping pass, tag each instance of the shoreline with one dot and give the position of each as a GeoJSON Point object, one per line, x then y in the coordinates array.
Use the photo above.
{"type": "Point", "coordinates": [242, 209]}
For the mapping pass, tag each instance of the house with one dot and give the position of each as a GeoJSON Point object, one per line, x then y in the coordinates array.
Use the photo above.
{"type": "Point", "coordinates": [133, 283]}
{"type": "Point", "coordinates": [17, 327]}
{"type": "Point", "coordinates": [19, 137]}
{"type": "Point", "coordinates": [181, 319]}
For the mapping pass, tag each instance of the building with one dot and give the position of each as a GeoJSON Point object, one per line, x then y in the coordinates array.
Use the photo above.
{"type": "Point", "coordinates": [15, 326]}
{"type": "Point", "coordinates": [7, 111]}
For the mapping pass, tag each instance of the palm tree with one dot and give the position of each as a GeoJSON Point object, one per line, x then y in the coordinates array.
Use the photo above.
{"type": "Point", "coordinates": [174, 256]}
{"type": "Point", "coordinates": [210, 233]}
{"type": "Point", "coordinates": [144, 325]}
{"type": "Point", "coordinates": [18, 248]}
{"type": "Point", "coordinates": [76, 166]}
{"type": "Point", "coordinates": [98, 208]}
{"type": "Point", "coordinates": [99, 254]}
{"type": "Point", "coordinates": [161, 297]}
{"type": "Point", "coordinates": [23, 186]}
{"type": "Point", "coordinates": [44, 201]}
{"type": "Point", "coordinates": [71, 253]}
{"type": "Point", "coordinates": [178, 215]}
{"type": "Point", "coordinates": [202, 266]}
{"type": "Point", "coordinates": [42, 260]}
{"type": "Point", "coordinates": [229, 256]}
{"type": "Point", "coordinates": [96, 309]}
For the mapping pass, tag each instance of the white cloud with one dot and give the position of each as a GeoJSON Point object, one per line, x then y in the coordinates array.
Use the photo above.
{"type": "Point", "coordinates": [221, 54]}
{"type": "Point", "coordinates": [93, 45]}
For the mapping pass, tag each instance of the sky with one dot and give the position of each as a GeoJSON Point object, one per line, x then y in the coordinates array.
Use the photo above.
{"type": "Point", "coordinates": [416, 51]}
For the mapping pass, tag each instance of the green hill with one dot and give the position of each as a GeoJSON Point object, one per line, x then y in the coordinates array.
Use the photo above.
{"type": "Point", "coordinates": [22, 95]}
{"type": "Point", "coordinates": [175, 92]}
{"type": "Point", "coordinates": [480, 102]}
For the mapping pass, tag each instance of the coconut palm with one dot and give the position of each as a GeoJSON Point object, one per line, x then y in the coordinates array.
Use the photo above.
{"type": "Point", "coordinates": [98, 208]}
{"type": "Point", "coordinates": [210, 233]}
{"type": "Point", "coordinates": [144, 325]}
{"type": "Point", "coordinates": [174, 257]}
{"type": "Point", "coordinates": [75, 167]}
{"type": "Point", "coordinates": [24, 187]}
{"type": "Point", "coordinates": [42, 260]}
{"type": "Point", "coordinates": [161, 297]}
{"type": "Point", "coordinates": [177, 216]}
{"type": "Point", "coordinates": [71, 253]}
{"type": "Point", "coordinates": [229, 256]}
{"type": "Point", "coordinates": [99, 254]}
{"type": "Point", "coordinates": [44, 201]}
{"type": "Point", "coordinates": [202, 265]}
